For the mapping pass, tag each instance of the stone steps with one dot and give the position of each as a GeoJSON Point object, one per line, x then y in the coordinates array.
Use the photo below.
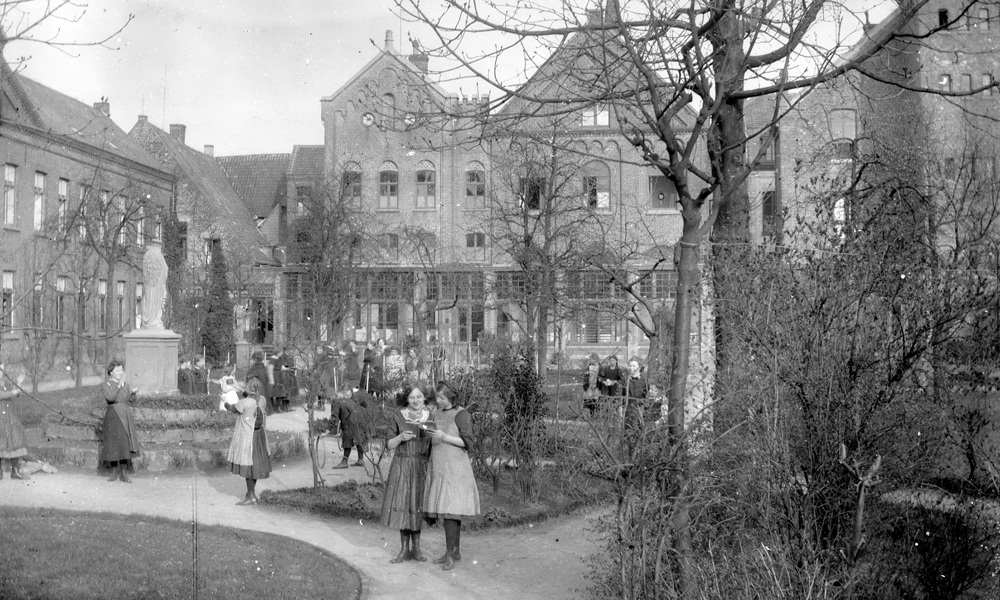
{"type": "Point", "coordinates": [154, 456]}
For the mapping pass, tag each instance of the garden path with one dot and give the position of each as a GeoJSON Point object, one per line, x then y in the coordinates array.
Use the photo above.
{"type": "Point", "coordinates": [544, 560]}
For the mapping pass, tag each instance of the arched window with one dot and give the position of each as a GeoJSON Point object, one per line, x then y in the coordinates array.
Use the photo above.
{"type": "Point", "coordinates": [388, 186]}
{"type": "Point", "coordinates": [426, 185]}
{"type": "Point", "coordinates": [597, 185]}
{"type": "Point", "coordinates": [475, 186]}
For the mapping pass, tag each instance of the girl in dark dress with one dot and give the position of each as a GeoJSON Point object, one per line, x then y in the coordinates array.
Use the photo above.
{"type": "Point", "coordinates": [402, 504]}
{"type": "Point", "coordinates": [120, 441]}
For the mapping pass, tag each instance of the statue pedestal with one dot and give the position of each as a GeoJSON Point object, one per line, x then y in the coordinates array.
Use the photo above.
{"type": "Point", "coordinates": [151, 360]}
{"type": "Point", "coordinates": [242, 354]}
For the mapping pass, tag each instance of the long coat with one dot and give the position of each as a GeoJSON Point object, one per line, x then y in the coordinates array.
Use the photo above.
{"type": "Point", "coordinates": [120, 439]}
{"type": "Point", "coordinates": [353, 416]}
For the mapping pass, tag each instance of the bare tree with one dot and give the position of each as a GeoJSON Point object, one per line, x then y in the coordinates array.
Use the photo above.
{"type": "Point", "coordinates": [676, 77]}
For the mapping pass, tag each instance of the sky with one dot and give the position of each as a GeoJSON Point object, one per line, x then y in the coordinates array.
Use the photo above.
{"type": "Point", "coordinates": [245, 76]}
{"type": "Point", "coordinates": [242, 75]}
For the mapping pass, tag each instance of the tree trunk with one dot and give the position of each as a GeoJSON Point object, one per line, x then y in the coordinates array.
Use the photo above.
{"type": "Point", "coordinates": [541, 339]}
{"type": "Point", "coordinates": [687, 292]}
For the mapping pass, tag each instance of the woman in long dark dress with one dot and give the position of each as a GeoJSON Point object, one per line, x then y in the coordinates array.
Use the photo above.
{"type": "Point", "coordinates": [402, 504]}
{"type": "Point", "coordinates": [120, 439]}
{"type": "Point", "coordinates": [450, 493]}
{"type": "Point", "coordinates": [248, 455]}
{"type": "Point", "coordinates": [12, 439]}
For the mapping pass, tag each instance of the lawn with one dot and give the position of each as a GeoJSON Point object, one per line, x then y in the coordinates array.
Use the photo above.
{"type": "Point", "coordinates": [68, 555]}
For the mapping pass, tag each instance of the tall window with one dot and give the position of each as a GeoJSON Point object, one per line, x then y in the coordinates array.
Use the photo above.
{"type": "Point", "coordinates": [475, 189]}
{"type": "Point", "coordinates": [984, 18]}
{"type": "Point", "coordinates": [211, 245]}
{"type": "Point", "coordinates": [388, 189]}
{"type": "Point", "coordinates": [8, 299]}
{"type": "Point", "coordinates": [303, 198]}
{"type": "Point", "coordinates": [944, 82]}
{"type": "Point", "coordinates": [9, 193]}
{"type": "Point", "coordinates": [38, 214]}
{"type": "Point", "coordinates": [62, 212]}
{"type": "Point", "coordinates": [140, 226]}
{"type": "Point", "coordinates": [597, 185]}
{"type": "Point", "coordinates": [121, 220]}
{"type": "Point", "coordinates": [120, 304]}
{"type": "Point", "coordinates": [531, 190]}
{"type": "Point", "coordinates": [102, 305]}
{"type": "Point", "coordinates": [426, 193]}
{"type": "Point", "coordinates": [138, 305]}
{"type": "Point", "coordinates": [102, 216]}
{"type": "Point", "coordinates": [843, 130]}
{"type": "Point", "coordinates": [966, 82]}
{"type": "Point", "coordinates": [37, 310]}
{"type": "Point", "coordinates": [352, 186]}
{"type": "Point", "coordinates": [81, 228]}
{"type": "Point", "coordinates": [62, 285]}
{"type": "Point", "coordinates": [81, 308]}
{"type": "Point", "coordinates": [772, 216]}
{"type": "Point", "coordinates": [987, 81]}
{"type": "Point", "coordinates": [471, 320]}
{"type": "Point", "coordinates": [662, 193]}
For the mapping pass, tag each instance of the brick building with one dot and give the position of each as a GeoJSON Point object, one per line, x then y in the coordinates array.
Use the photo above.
{"type": "Point", "coordinates": [81, 200]}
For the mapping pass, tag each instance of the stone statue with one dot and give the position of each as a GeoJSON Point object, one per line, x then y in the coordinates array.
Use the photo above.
{"type": "Point", "coordinates": [154, 288]}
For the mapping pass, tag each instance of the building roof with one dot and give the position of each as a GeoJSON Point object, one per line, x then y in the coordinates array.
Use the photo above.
{"type": "Point", "coordinates": [220, 202]}
{"type": "Point", "coordinates": [307, 161]}
{"type": "Point", "coordinates": [259, 179]}
{"type": "Point", "coordinates": [61, 116]}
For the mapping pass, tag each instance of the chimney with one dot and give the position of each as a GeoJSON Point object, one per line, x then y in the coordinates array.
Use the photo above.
{"type": "Point", "coordinates": [143, 119]}
{"type": "Point", "coordinates": [419, 58]}
{"type": "Point", "coordinates": [104, 106]}
{"type": "Point", "coordinates": [178, 131]}
{"type": "Point", "coordinates": [210, 150]}
{"type": "Point", "coordinates": [388, 41]}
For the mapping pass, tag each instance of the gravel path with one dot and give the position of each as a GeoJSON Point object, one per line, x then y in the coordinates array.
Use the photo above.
{"type": "Point", "coordinates": [545, 560]}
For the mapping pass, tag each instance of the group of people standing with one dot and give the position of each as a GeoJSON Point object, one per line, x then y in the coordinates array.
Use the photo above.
{"type": "Point", "coordinates": [278, 380]}
{"type": "Point", "coordinates": [606, 385]}
{"type": "Point", "coordinates": [431, 476]}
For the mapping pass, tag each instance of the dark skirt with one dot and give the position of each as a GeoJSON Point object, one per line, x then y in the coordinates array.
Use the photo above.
{"type": "Point", "coordinates": [116, 447]}
{"type": "Point", "coordinates": [261, 468]}
{"type": "Point", "coordinates": [402, 504]}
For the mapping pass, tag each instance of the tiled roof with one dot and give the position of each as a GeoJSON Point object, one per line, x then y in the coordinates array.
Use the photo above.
{"type": "Point", "coordinates": [221, 202]}
{"type": "Point", "coordinates": [58, 114]}
{"type": "Point", "coordinates": [259, 179]}
{"type": "Point", "coordinates": [307, 161]}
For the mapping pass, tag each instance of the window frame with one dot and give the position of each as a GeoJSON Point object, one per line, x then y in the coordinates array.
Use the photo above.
{"type": "Point", "coordinates": [388, 190]}
{"type": "Point", "coordinates": [9, 194]}
{"type": "Point", "coordinates": [475, 189]}
{"type": "Point", "coordinates": [426, 189]}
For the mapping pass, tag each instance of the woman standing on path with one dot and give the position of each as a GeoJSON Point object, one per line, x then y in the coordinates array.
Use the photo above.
{"type": "Point", "coordinates": [12, 445]}
{"type": "Point", "coordinates": [451, 491]}
{"type": "Point", "coordinates": [248, 455]}
{"type": "Point", "coordinates": [120, 443]}
{"type": "Point", "coordinates": [404, 488]}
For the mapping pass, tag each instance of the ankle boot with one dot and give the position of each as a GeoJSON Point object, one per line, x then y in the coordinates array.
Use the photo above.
{"type": "Point", "coordinates": [123, 475]}
{"type": "Point", "coordinates": [416, 554]}
{"type": "Point", "coordinates": [342, 465]}
{"type": "Point", "coordinates": [114, 473]}
{"type": "Point", "coordinates": [449, 561]}
{"type": "Point", "coordinates": [443, 559]}
{"type": "Point", "coordinates": [404, 549]}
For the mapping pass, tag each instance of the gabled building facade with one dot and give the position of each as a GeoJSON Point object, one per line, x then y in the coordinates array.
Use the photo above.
{"type": "Point", "coordinates": [81, 201]}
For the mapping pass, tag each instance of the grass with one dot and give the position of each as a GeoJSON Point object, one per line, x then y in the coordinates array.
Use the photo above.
{"type": "Point", "coordinates": [59, 555]}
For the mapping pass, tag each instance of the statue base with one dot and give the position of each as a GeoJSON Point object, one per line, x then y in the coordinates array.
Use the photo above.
{"type": "Point", "coordinates": [151, 360]}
